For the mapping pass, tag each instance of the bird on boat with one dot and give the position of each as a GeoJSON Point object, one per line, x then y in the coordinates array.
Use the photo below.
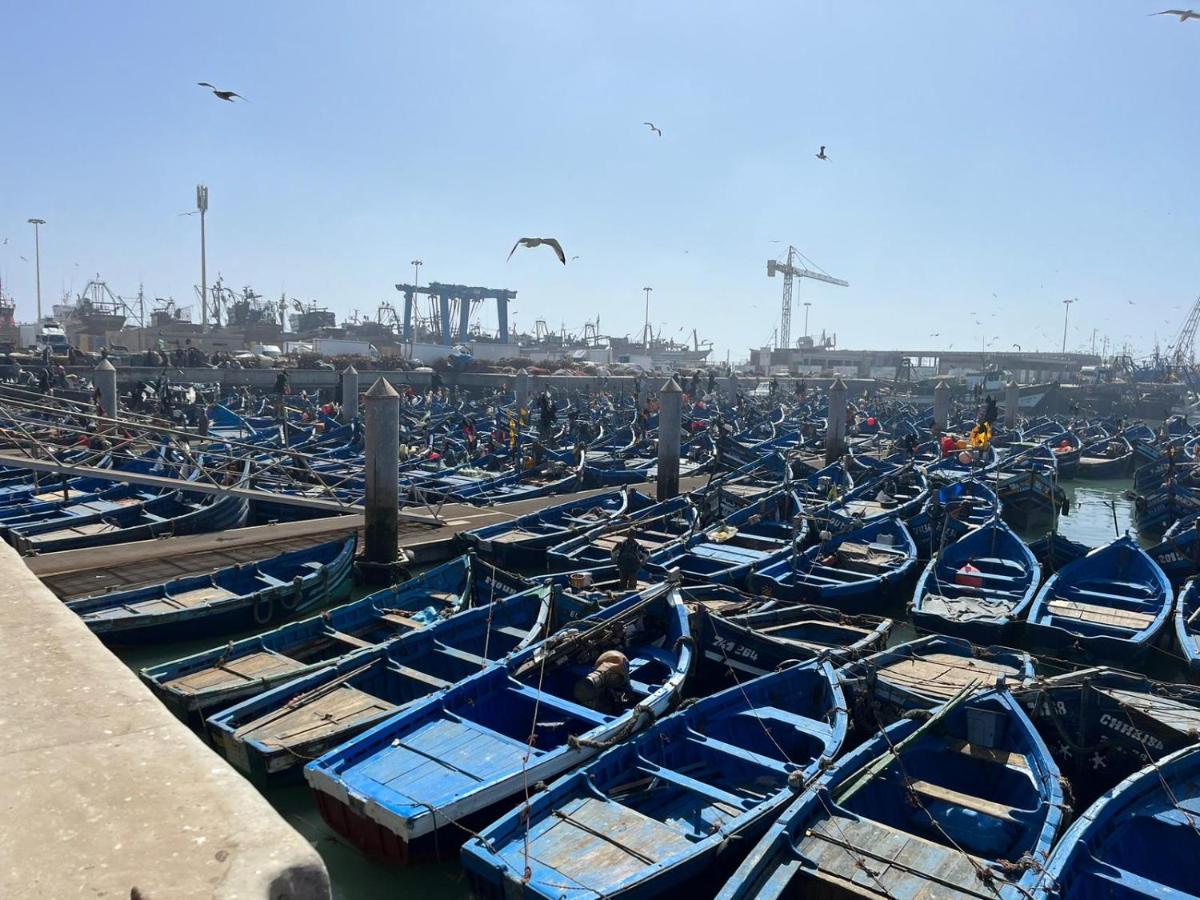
{"type": "Point", "coordinates": [537, 242]}
{"type": "Point", "coordinates": [821, 154]}
{"type": "Point", "coordinates": [223, 95]}
{"type": "Point", "coordinates": [1184, 14]}
{"type": "Point", "coordinates": [654, 128]}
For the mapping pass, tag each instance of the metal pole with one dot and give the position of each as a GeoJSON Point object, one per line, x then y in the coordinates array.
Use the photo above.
{"type": "Point", "coordinates": [941, 405]}
{"type": "Point", "coordinates": [105, 378]}
{"type": "Point", "coordinates": [349, 394]}
{"type": "Point", "coordinates": [646, 327]}
{"type": "Point", "coordinates": [670, 424]}
{"type": "Point", "coordinates": [37, 262]}
{"type": "Point", "coordinates": [1066, 315]}
{"type": "Point", "coordinates": [807, 304]}
{"type": "Point", "coordinates": [731, 389]}
{"type": "Point", "coordinates": [380, 548]}
{"type": "Point", "coordinates": [411, 300]}
{"type": "Point", "coordinates": [835, 423]}
{"type": "Point", "coordinates": [1012, 405]}
{"type": "Point", "coordinates": [202, 205]}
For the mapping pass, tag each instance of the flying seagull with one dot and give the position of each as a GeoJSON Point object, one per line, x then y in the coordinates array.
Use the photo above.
{"type": "Point", "coordinates": [537, 242]}
{"type": "Point", "coordinates": [654, 128]}
{"type": "Point", "coordinates": [573, 257]}
{"type": "Point", "coordinates": [223, 95]}
{"type": "Point", "coordinates": [821, 154]}
{"type": "Point", "coordinates": [23, 259]}
{"type": "Point", "coordinates": [1184, 14]}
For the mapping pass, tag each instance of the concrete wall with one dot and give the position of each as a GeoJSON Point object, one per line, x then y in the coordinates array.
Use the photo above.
{"type": "Point", "coordinates": [106, 791]}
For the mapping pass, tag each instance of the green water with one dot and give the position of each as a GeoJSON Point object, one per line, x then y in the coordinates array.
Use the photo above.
{"type": "Point", "coordinates": [1093, 505]}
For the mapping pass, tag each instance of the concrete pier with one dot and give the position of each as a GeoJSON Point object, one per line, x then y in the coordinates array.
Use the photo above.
{"type": "Point", "coordinates": [349, 394]}
{"type": "Point", "coordinates": [941, 406]}
{"type": "Point", "coordinates": [106, 791]}
{"type": "Point", "coordinates": [670, 423]}
{"type": "Point", "coordinates": [1012, 405]}
{"type": "Point", "coordinates": [382, 451]}
{"type": "Point", "coordinates": [835, 429]}
{"type": "Point", "coordinates": [105, 379]}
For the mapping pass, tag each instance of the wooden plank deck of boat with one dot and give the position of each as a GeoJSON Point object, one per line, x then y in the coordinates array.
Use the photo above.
{"type": "Point", "coordinates": [80, 573]}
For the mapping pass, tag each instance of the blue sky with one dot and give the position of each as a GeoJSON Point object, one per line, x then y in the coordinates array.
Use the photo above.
{"type": "Point", "coordinates": [1031, 150]}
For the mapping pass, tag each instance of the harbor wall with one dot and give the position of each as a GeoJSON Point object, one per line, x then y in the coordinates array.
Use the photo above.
{"type": "Point", "coordinates": [106, 791]}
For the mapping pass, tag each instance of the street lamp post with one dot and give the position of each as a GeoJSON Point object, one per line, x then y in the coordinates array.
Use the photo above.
{"type": "Point", "coordinates": [37, 262]}
{"type": "Point", "coordinates": [807, 304]}
{"type": "Point", "coordinates": [1066, 315]}
{"type": "Point", "coordinates": [412, 331]}
{"type": "Point", "coordinates": [646, 327]}
{"type": "Point", "coordinates": [202, 206]}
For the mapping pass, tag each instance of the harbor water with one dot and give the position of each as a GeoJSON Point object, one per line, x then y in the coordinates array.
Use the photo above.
{"type": "Point", "coordinates": [1099, 510]}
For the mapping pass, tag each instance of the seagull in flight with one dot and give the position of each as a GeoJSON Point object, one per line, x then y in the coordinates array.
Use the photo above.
{"type": "Point", "coordinates": [223, 95]}
{"type": "Point", "coordinates": [1184, 14]}
{"type": "Point", "coordinates": [23, 259]}
{"type": "Point", "coordinates": [573, 257]}
{"type": "Point", "coordinates": [821, 154]}
{"type": "Point", "coordinates": [537, 242]}
{"type": "Point", "coordinates": [654, 128]}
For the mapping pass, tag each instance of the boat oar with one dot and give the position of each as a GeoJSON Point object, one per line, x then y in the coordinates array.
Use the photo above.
{"type": "Point", "coordinates": [860, 778]}
{"type": "Point", "coordinates": [299, 700]}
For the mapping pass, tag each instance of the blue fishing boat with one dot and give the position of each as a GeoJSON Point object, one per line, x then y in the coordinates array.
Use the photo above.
{"type": "Point", "coordinates": [468, 753]}
{"type": "Point", "coordinates": [929, 670]}
{"type": "Point", "coordinates": [734, 646]}
{"type": "Point", "coordinates": [1027, 485]}
{"type": "Point", "coordinates": [657, 528]}
{"type": "Point", "coordinates": [223, 602]}
{"type": "Point", "coordinates": [662, 812]}
{"type": "Point", "coordinates": [1187, 625]}
{"type": "Point", "coordinates": [1103, 724]}
{"type": "Point", "coordinates": [966, 803]}
{"type": "Point", "coordinates": [950, 512]}
{"type": "Point", "coordinates": [895, 492]}
{"type": "Point", "coordinates": [1178, 553]}
{"type": "Point", "coordinates": [1055, 551]}
{"type": "Point", "coordinates": [1161, 507]}
{"type": "Point", "coordinates": [979, 587]}
{"type": "Point", "coordinates": [1112, 603]}
{"type": "Point", "coordinates": [755, 535]}
{"type": "Point", "coordinates": [522, 542]}
{"type": "Point", "coordinates": [223, 675]}
{"type": "Point", "coordinates": [854, 571]}
{"type": "Point", "coordinates": [1110, 457]}
{"type": "Point", "coordinates": [1138, 840]}
{"type": "Point", "coordinates": [172, 513]}
{"type": "Point", "coordinates": [273, 734]}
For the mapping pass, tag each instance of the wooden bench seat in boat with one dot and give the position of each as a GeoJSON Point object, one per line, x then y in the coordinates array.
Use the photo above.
{"type": "Point", "coordinates": [1127, 619]}
{"type": "Point", "coordinates": [317, 718]}
{"type": "Point", "coordinates": [259, 666]}
{"type": "Point", "coordinates": [966, 801]}
{"type": "Point", "coordinates": [417, 675]}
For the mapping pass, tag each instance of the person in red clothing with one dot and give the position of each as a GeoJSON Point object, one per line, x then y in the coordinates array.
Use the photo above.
{"type": "Point", "coordinates": [949, 445]}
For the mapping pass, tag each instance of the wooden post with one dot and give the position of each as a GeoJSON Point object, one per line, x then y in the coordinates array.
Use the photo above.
{"type": "Point", "coordinates": [1012, 405]}
{"type": "Point", "coordinates": [380, 548]}
{"type": "Point", "coordinates": [835, 424]}
{"type": "Point", "coordinates": [941, 406]}
{"type": "Point", "coordinates": [105, 378]}
{"type": "Point", "coordinates": [670, 425]}
{"type": "Point", "coordinates": [349, 394]}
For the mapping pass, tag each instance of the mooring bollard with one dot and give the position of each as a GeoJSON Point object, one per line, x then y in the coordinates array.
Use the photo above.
{"type": "Point", "coordinates": [670, 425]}
{"type": "Point", "coordinates": [105, 378]}
{"type": "Point", "coordinates": [380, 547]}
{"type": "Point", "coordinates": [835, 423]}
{"type": "Point", "coordinates": [349, 394]}
{"type": "Point", "coordinates": [731, 389]}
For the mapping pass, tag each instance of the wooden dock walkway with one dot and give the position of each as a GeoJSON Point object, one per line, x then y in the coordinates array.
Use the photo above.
{"type": "Point", "coordinates": [79, 573]}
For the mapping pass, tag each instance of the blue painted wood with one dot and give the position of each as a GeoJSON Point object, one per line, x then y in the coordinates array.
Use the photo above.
{"type": "Point", "coordinates": [660, 813]}
{"type": "Point", "coordinates": [956, 811]}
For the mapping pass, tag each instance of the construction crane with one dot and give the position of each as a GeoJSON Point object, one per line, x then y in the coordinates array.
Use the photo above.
{"type": "Point", "coordinates": [790, 271]}
{"type": "Point", "coordinates": [1185, 341]}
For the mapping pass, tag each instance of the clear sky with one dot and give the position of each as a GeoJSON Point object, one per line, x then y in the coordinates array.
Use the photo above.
{"type": "Point", "coordinates": [1025, 149]}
